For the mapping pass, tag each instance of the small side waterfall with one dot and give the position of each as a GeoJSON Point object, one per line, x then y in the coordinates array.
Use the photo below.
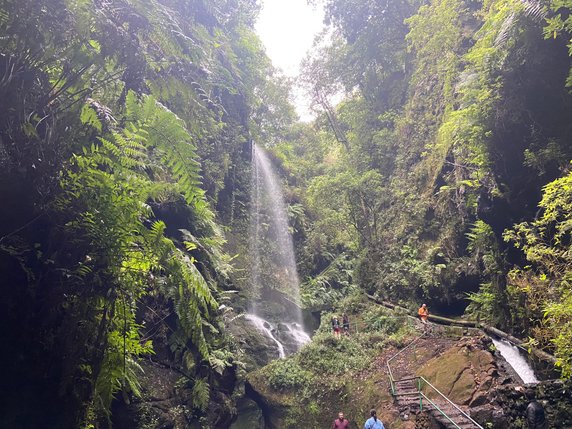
{"type": "Point", "coordinates": [516, 360]}
{"type": "Point", "coordinates": [275, 286]}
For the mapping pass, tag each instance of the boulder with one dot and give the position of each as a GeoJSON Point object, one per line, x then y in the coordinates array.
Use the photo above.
{"type": "Point", "coordinates": [461, 372]}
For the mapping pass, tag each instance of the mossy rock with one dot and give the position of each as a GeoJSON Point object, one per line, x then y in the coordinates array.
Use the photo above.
{"type": "Point", "coordinates": [450, 374]}
{"type": "Point", "coordinates": [459, 372]}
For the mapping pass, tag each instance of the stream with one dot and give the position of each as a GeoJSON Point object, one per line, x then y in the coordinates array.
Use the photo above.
{"type": "Point", "coordinates": [516, 360]}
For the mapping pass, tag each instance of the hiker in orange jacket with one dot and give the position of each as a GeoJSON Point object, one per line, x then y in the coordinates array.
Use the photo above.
{"type": "Point", "coordinates": [423, 313]}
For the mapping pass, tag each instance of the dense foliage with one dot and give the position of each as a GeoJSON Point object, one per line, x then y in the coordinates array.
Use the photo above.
{"type": "Point", "coordinates": [454, 121]}
{"type": "Point", "coordinates": [124, 141]}
{"type": "Point", "coordinates": [442, 175]}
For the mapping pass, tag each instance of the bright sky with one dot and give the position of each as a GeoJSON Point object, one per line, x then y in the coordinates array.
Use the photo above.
{"type": "Point", "coordinates": [287, 29]}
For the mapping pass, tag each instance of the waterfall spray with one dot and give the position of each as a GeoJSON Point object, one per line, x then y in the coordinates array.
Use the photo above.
{"type": "Point", "coordinates": [273, 264]}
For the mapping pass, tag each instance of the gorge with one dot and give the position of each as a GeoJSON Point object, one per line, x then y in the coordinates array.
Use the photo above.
{"type": "Point", "coordinates": [161, 270]}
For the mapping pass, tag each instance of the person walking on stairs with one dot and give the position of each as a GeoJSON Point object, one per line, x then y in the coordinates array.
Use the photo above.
{"type": "Point", "coordinates": [341, 422]}
{"type": "Point", "coordinates": [373, 422]}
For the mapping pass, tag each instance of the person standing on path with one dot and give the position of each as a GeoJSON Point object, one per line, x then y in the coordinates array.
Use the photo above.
{"type": "Point", "coordinates": [373, 422]}
{"type": "Point", "coordinates": [336, 326]}
{"type": "Point", "coordinates": [346, 324]}
{"type": "Point", "coordinates": [423, 313]}
{"type": "Point", "coordinates": [341, 422]}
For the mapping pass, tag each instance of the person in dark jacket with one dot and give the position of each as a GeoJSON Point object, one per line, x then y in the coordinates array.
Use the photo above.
{"type": "Point", "coordinates": [346, 324]}
{"type": "Point", "coordinates": [535, 412]}
{"type": "Point", "coordinates": [341, 422]}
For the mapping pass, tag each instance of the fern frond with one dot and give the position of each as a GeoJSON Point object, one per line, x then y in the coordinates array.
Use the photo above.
{"type": "Point", "coordinates": [201, 394]}
{"type": "Point", "coordinates": [111, 147]}
{"type": "Point", "coordinates": [505, 31]}
{"type": "Point", "coordinates": [535, 10]}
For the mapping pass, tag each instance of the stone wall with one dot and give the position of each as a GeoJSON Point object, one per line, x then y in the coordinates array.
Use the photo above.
{"type": "Point", "coordinates": [555, 395]}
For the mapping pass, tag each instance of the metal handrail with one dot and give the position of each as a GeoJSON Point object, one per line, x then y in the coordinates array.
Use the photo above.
{"type": "Point", "coordinates": [448, 400]}
{"type": "Point", "coordinates": [392, 382]}
{"type": "Point", "coordinates": [391, 379]}
{"type": "Point", "coordinates": [422, 395]}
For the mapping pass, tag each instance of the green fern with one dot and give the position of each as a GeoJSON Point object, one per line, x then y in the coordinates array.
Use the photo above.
{"type": "Point", "coordinates": [167, 134]}
{"type": "Point", "coordinates": [220, 360]}
{"type": "Point", "coordinates": [201, 394]}
{"type": "Point", "coordinates": [108, 187]}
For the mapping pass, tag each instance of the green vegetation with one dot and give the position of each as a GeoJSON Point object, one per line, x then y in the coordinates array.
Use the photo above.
{"type": "Point", "coordinates": [331, 372]}
{"type": "Point", "coordinates": [442, 175]}
{"type": "Point", "coordinates": [546, 283]}
{"type": "Point", "coordinates": [122, 137]}
{"type": "Point", "coordinates": [455, 120]}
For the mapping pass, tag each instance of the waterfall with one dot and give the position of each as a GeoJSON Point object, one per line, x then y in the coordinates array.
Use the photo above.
{"type": "Point", "coordinates": [516, 360]}
{"type": "Point", "coordinates": [267, 328]}
{"type": "Point", "coordinates": [275, 286]}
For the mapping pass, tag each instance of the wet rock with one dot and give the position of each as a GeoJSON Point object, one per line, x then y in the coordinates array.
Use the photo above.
{"type": "Point", "coordinates": [487, 383]}
{"type": "Point", "coordinates": [465, 371]}
{"type": "Point", "coordinates": [274, 405]}
{"type": "Point", "coordinates": [492, 416]}
{"type": "Point", "coordinates": [554, 395]}
{"type": "Point", "coordinates": [479, 398]}
{"type": "Point", "coordinates": [282, 327]}
{"type": "Point", "coordinates": [249, 416]}
{"type": "Point", "coordinates": [259, 349]}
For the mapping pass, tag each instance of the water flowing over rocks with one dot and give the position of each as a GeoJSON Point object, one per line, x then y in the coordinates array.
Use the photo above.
{"type": "Point", "coordinates": [516, 360]}
{"type": "Point", "coordinates": [272, 259]}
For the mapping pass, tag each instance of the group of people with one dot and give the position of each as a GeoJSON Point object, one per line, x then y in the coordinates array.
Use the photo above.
{"type": "Point", "coordinates": [345, 325]}
{"type": "Point", "coordinates": [535, 416]}
{"type": "Point", "coordinates": [372, 423]}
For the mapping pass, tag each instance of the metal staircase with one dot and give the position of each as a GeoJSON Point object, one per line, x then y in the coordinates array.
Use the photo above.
{"type": "Point", "coordinates": [415, 393]}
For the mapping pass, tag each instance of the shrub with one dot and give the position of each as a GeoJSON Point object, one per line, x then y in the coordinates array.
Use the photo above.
{"type": "Point", "coordinates": [287, 374]}
{"type": "Point", "coordinates": [335, 356]}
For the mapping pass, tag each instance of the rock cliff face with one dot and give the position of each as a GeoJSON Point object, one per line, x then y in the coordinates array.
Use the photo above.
{"type": "Point", "coordinates": [166, 402]}
{"type": "Point", "coordinates": [274, 405]}
{"type": "Point", "coordinates": [554, 395]}
{"type": "Point", "coordinates": [473, 376]}
{"type": "Point", "coordinates": [465, 372]}
{"type": "Point", "coordinates": [167, 382]}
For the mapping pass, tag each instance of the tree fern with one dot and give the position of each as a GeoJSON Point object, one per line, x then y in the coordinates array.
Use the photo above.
{"type": "Point", "coordinates": [108, 187]}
